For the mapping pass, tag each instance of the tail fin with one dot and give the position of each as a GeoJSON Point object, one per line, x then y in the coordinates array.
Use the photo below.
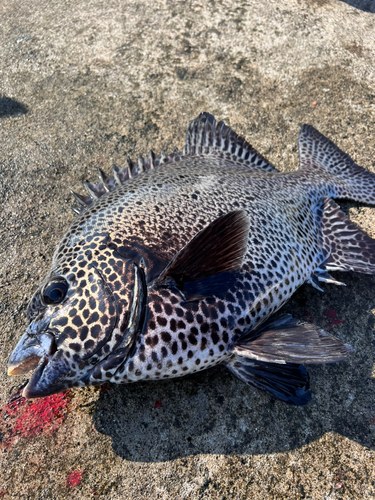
{"type": "Point", "coordinates": [352, 181]}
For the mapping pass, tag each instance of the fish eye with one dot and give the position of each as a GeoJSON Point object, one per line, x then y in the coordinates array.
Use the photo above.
{"type": "Point", "coordinates": [55, 292]}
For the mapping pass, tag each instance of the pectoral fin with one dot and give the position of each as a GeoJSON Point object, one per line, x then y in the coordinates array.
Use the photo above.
{"type": "Point", "coordinates": [216, 250]}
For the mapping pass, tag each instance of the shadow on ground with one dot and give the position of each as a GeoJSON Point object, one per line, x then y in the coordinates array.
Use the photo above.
{"type": "Point", "coordinates": [9, 107]}
{"type": "Point", "coordinates": [365, 5]}
{"type": "Point", "coordinates": [214, 413]}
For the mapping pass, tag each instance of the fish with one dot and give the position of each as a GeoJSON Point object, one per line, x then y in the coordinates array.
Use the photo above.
{"type": "Point", "coordinates": [179, 262]}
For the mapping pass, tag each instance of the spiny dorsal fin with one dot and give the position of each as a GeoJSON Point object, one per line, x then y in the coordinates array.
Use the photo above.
{"type": "Point", "coordinates": [122, 176]}
{"type": "Point", "coordinates": [218, 248]}
{"type": "Point", "coordinates": [205, 137]}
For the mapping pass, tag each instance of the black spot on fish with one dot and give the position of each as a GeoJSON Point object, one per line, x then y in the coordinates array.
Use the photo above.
{"type": "Point", "coordinates": [204, 328]}
{"type": "Point", "coordinates": [215, 337]}
{"type": "Point", "coordinates": [161, 320]}
{"type": "Point", "coordinates": [203, 343]}
{"type": "Point", "coordinates": [95, 331]}
{"type": "Point", "coordinates": [174, 348]}
{"type": "Point", "coordinates": [75, 347]}
{"type": "Point", "coordinates": [173, 325]}
{"type": "Point", "coordinates": [192, 339]}
{"type": "Point", "coordinates": [166, 337]}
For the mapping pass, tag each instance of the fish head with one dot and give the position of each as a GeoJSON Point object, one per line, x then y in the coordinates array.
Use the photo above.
{"type": "Point", "coordinates": [77, 317]}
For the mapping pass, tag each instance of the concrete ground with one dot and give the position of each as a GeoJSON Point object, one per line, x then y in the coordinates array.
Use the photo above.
{"type": "Point", "coordinates": [82, 85]}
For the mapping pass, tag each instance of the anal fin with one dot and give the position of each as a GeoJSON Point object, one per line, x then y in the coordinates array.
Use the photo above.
{"type": "Point", "coordinates": [314, 281]}
{"type": "Point", "coordinates": [349, 248]}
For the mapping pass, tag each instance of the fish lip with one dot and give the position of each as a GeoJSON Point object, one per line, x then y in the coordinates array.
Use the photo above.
{"type": "Point", "coordinates": [30, 349]}
{"type": "Point", "coordinates": [24, 366]}
{"type": "Point", "coordinates": [32, 391]}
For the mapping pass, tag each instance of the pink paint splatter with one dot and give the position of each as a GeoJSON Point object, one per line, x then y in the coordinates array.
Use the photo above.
{"type": "Point", "coordinates": [26, 419]}
{"type": "Point", "coordinates": [157, 404]}
{"type": "Point", "coordinates": [74, 478]}
{"type": "Point", "coordinates": [310, 319]}
{"type": "Point", "coordinates": [332, 317]}
{"type": "Point", "coordinates": [105, 387]}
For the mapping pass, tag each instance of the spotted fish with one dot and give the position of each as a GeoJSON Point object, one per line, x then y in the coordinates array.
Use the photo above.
{"type": "Point", "coordinates": [178, 263]}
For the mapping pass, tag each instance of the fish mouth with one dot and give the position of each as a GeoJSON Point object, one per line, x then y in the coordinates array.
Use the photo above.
{"type": "Point", "coordinates": [32, 352]}
{"type": "Point", "coordinates": [24, 366]}
{"type": "Point", "coordinates": [39, 385]}
{"type": "Point", "coordinates": [30, 349]}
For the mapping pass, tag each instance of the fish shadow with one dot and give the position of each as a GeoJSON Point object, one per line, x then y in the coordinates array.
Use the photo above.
{"type": "Point", "coordinates": [9, 107]}
{"type": "Point", "coordinates": [214, 413]}
{"type": "Point", "coordinates": [365, 5]}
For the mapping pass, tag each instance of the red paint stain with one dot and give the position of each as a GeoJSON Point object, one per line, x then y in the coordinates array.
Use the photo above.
{"type": "Point", "coordinates": [310, 319]}
{"type": "Point", "coordinates": [332, 317]}
{"type": "Point", "coordinates": [22, 418]}
{"type": "Point", "coordinates": [105, 387]}
{"type": "Point", "coordinates": [74, 478]}
{"type": "Point", "coordinates": [157, 404]}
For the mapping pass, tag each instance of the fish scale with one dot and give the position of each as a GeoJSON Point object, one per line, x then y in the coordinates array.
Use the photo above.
{"type": "Point", "coordinates": [180, 262]}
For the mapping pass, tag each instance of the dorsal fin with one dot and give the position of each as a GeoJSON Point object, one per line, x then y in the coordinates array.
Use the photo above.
{"type": "Point", "coordinates": [205, 137]}
{"type": "Point", "coordinates": [122, 176]}
{"type": "Point", "coordinates": [316, 150]}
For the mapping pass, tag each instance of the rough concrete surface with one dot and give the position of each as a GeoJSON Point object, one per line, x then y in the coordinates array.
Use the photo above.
{"type": "Point", "coordinates": [82, 85]}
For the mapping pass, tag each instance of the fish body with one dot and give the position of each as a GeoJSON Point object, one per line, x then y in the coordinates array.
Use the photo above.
{"type": "Point", "coordinates": [179, 263]}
